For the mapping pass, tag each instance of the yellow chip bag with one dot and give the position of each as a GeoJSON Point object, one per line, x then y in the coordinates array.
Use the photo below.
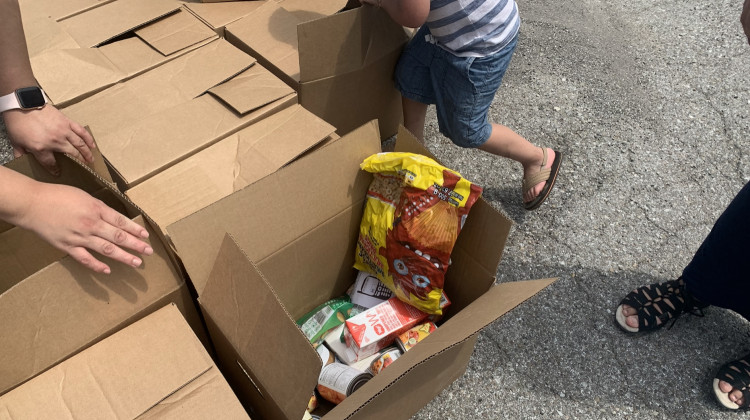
{"type": "Point", "coordinates": [414, 211]}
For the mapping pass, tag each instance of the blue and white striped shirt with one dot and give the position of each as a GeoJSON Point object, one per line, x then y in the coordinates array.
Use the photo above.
{"type": "Point", "coordinates": [473, 28]}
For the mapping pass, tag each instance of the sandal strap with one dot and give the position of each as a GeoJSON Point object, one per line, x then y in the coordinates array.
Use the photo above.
{"type": "Point", "coordinates": [659, 303]}
{"type": "Point", "coordinates": [737, 374]}
{"type": "Point", "coordinates": [541, 176]}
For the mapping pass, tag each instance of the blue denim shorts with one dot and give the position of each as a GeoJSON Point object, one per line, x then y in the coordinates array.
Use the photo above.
{"type": "Point", "coordinates": [462, 88]}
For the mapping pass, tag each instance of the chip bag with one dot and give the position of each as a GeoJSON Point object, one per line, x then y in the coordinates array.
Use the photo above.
{"type": "Point", "coordinates": [414, 211]}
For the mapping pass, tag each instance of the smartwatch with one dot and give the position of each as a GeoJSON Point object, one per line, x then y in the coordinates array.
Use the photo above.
{"type": "Point", "coordinates": [26, 98]}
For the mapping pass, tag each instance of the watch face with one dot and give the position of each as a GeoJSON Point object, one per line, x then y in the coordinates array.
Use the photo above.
{"type": "Point", "coordinates": [30, 97]}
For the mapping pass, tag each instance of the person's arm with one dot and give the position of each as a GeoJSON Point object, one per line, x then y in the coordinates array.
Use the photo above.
{"type": "Point", "coordinates": [409, 13]}
{"type": "Point", "coordinates": [745, 19]}
{"type": "Point", "coordinates": [71, 220]}
{"type": "Point", "coordinates": [40, 131]}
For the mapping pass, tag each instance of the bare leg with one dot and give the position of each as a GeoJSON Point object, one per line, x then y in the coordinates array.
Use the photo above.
{"type": "Point", "coordinates": [507, 143]}
{"type": "Point", "coordinates": [414, 117]}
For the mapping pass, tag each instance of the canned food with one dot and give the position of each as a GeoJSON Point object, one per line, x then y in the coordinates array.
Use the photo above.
{"type": "Point", "coordinates": [413, 336]}
{"type": "Point", "coordinates": [337, 381]}
{"type": "Point", "coordinates": [384, 359]}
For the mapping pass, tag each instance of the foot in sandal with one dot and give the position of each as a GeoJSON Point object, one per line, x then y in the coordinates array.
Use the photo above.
{"type": "Point", "coordinates": [538, 179]}
{"type": "Point", "coordinates": [649, 308]}
{"type": "Point", "coordinates": [732, 384]}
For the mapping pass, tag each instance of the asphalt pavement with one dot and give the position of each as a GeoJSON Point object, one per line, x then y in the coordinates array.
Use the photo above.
{"type": "Point", "coordinates": [649, 103]}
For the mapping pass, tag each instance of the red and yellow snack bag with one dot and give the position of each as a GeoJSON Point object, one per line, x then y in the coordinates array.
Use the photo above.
{"type": "Point", "coordinates": [414, 211]}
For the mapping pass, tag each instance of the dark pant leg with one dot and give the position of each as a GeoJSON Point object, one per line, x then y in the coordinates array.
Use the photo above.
{"type": "Point", "coordinates": [719, 273]}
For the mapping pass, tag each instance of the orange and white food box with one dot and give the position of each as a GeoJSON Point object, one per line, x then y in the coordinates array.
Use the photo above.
{"type": "Point", "coordinates": [377, 327]}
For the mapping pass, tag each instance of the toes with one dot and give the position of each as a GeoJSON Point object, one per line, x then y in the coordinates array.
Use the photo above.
{"type": "Point", "coordinates": [628, 310]}
{"type": "Point", "coordinates": [725, 387]}
{"type": "Point", "coordinates": [632, 321]}
{"type": "Point", "coordinates": [736, 397]}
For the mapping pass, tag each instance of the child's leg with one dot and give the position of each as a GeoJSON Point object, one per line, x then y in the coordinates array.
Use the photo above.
{"type": "Point", "coordinates": [414, 117]}
{"type": "Point", "coordinates": [507, 143]}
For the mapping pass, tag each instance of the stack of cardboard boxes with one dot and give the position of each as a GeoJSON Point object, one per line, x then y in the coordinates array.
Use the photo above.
{"type": "Point", "coordinates": [234, 132]}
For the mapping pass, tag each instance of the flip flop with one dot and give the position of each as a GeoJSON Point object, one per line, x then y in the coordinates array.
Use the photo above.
{"type": "Point", "coordinates": [546, 174]}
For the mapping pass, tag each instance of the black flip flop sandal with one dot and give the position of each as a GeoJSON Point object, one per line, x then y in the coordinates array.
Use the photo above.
{"type": "Point", "coordinates": [737, 374]}
{"type": "Point", "coordinates": [658, 303]}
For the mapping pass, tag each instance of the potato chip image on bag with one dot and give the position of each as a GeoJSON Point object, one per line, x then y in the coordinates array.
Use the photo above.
{"type": "Point", "coordinates": [414, 211]}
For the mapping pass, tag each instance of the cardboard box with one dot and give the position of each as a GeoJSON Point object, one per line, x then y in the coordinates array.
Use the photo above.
{"type": "Point", "coordinates": [218, 15]}
{"type": "Point", "coordinates": [161, 117]}
{"type": "Point", "coordinates": [341, 65]}
{"type": "Point", "coordinates": [82, 54]}
{"type": "Point", "coordinates": [256, 275]}
{"type": "Point", "coordinates": [155, 368]}
{"type": "Point", "coordinates": [230, 165]}
{"type": "Point", "coordinates": [55, 307]}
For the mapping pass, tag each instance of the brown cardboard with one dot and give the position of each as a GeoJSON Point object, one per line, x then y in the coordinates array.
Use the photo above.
{"type": "Point", "coordinates": [80, 55]}
{"type": "Point", "coordinates": [56, 9]}
{"type": "Point", "coordinates": [154, 368]}
{"type": "Point", "coordinates": [229, 165]}
{"type": "Point", "coordinates": [163, 116]}
{"type": "Point", "coordinates": [219, 15]}
{"type": "Point", "coordinates": [332, 61]}
{"type": "Point", "coordinates": [57, 306]}
{"type": "Point", "coordinates": [287, 258]}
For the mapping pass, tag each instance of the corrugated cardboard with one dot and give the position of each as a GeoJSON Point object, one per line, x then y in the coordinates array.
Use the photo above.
{"type": "Point", "coordinates": [161, 117]}
{"type": "Point", "coordinates": [341, 65]}
{"type": "Point", "coordinates": [55, 307]}
{"type": "Point", "coordinates": [219, 15]}
{"type": "Point", "coordinates": [77, 56]}
{"type": "Point", "coordinates": [296, 252]}
{"type": "Point", "coordinates": [229, 165]}
{"type": "Point", "coordinates": [155, 368]}
{"type": "Point", "coordinates": [56, 9]}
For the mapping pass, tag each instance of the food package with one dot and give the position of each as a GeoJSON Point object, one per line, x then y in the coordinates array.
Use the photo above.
{"type": "Point", "coordinates": [376, 328]}
{"type": "Point", "coordinates": [414, 211]}
{"type": "Point", "coordinates": [327, 316]}
{"type": "Point", "coordinates": [367, 291]}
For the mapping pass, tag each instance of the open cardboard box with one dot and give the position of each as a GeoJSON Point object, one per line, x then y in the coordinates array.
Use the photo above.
{"type": "Point", "coordinates": [230, 165]}
{"type": "Point", "coordinates": [163, 116]}
{"type": "Point", "coordinates": [79, 55]}
{"type": "Point", "coordinates": [54, 307]}
{"type": "Point", "coordinates": [269, 253]}
{"type": "Point", "coordinates": [155, 368]}
{"type": "Point", "coordinates": [341, 65]}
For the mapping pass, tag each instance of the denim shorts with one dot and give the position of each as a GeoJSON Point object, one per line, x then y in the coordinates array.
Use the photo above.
{"type": "Point", "coordinates": [462, 88]}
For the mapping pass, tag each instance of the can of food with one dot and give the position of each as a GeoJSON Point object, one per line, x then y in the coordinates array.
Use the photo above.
{"type": "Point", "coordinates": [337, 381]}
{"type": "Point", "coordinates": [411, 337]}
{"type": "Point", "coordinates": [384, 359]}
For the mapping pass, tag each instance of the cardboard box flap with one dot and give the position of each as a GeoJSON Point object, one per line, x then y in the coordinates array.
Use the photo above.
{"type": "Point", "coordinates": [230, 165]}
{"type": "Point", "coordinates": [488, 308]}
{"type": "Point", "coordinates": [280, 219]}
{"type": "Point", "coordinates": [307, 10]}
{"type": "Point", "coordinates": [111, 20]}
{"type": "Point", "coordinates": [51, 309]}
{"type": "Point", "coordinates": [271, 32]}
{"type": "Point", "coordinates": [93, 70]}
{"type": "Point", "coordinates": [115, 379]}
{"type": "Point", "coordinates": [244, 306]}
{"type": "Point", "coordinates": [175, 32]}
{"type": "Point", "coordinates": [361, 37]}
{"type": "Point", "coordinates": [218, 15]}
{"type": "Point", "coordinates": [163, 87]}
{"type": "Point", "coordinates": [45, 34]}
{"type": "Point", "coordinates": [57, 9]}
{"type": "Point", "coordinates": [132, 56]}
{"type": "Point", "coordinates": [251, 89]}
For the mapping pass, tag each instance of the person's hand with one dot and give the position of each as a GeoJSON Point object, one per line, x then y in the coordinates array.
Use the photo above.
{"type": "Point", "coordinates": [745, 19]}
{"type": "Point", "coordinates": [44, 131]}
{"type": "Point", "coordinates": [75, 222]}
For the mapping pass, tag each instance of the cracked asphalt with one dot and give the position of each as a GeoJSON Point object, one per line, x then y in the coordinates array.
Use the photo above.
{"type": "Point", "coordinates": [649, 103]}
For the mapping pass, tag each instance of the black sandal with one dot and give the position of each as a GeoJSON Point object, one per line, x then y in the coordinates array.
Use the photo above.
{"type": "Point", "coordinates": [737, 374]}
{"type": "Point", "coordinates": [658, 303]}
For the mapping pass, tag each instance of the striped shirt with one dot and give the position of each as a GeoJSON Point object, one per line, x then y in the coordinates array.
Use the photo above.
{"type": "Point", "coordinates": [473, 28]}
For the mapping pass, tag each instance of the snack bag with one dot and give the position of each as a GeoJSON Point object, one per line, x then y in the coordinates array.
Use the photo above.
{"type": "Point", "coordinates": [414, 211]}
